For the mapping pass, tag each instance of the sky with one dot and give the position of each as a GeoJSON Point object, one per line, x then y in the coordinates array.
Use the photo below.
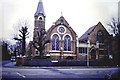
{"type": "Point", "coordinates": [80, 14]}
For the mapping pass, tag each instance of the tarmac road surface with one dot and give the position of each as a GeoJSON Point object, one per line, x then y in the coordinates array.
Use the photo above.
{"type": "Point", "coordinates": [51, 73]}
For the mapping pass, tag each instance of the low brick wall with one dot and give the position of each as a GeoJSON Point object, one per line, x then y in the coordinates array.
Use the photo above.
{"type": "Point", "coordinates": [38, 62]}
{"type": "Point", "coordinates": [46, 62]}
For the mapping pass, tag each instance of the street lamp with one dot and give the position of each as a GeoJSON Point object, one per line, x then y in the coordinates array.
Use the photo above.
{"type": "Point", "coordinates": [61, 48]}
{"type": "Point", "coordinates": [88, 45]}
{"type": "Point", "coordinates": [61, 53]}
{"type": "Point", "coordinates": [97, 46]}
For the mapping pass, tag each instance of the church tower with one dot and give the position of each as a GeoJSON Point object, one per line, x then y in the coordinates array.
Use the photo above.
{"type": "Point", "coordinates": [39, 22]}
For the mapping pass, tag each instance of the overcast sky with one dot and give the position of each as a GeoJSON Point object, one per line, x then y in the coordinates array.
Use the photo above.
{"type": "Point", "coordinates": [80, 14]}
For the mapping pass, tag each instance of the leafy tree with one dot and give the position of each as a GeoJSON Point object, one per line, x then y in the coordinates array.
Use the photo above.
{"type": "Point", "coordinates": [40, 42]}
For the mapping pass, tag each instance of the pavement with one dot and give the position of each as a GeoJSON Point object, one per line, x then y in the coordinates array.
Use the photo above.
{"type": "Point", "coordinates": [7, 63]}
{"type": "Point", "coordinates": [10, 64]}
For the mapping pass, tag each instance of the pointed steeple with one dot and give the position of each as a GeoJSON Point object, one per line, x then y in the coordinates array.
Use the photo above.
{"type": "Point", "coordinates": [40, 0]}
{"type": "Point", "coordinates": [40, 9]}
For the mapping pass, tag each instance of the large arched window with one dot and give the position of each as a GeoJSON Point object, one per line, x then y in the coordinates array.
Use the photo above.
{"type": "Point", "coordinates": [100, 37]}
{"type": "Point", "coordinates": [55, 42]}
{"type": "Point", "coordinates": [67, 43]}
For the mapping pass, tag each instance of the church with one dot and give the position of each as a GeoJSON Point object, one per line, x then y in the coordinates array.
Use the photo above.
{"type": "Point", "coordinates": [63, 40]}
{"type": "Point", "coordinates": [64, 43]}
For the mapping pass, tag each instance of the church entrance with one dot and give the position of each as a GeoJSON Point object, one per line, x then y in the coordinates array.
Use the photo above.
{"type": "Point", "coordinates": [93, 53]}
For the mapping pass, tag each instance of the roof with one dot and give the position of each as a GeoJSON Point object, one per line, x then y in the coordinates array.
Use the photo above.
{"type": "Point", "coordinates": [40, 9]}
{"type": "Point", "coordinates": [62, 21]}
{"type": "Point", "coordinates": [85, 35]}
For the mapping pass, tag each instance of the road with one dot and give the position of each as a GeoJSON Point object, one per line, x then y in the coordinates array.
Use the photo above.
{"type": "Point", "coordinates": [56, 72]}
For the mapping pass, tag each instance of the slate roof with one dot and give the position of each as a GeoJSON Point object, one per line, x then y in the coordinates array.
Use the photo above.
{"type": "Point", "coordinates": [40, 9]}
{"type": "Point", "coordinates": [85, 35]}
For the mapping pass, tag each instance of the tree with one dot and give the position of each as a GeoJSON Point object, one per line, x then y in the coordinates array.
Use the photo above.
{"type": "Point", "coordinates": [40, 42]}
{"type": "Point", "coordinates": [15, 49]}
{"type": "Point", "coordinates": [5, 51]}
{"type": "Point", "coordinates": [115, 25]}
{"type": "Point", "coordinates": [23, 35]}
{"type": "Point", "coordinates": [118, 38]}
{"type": "Point", "coordinates": [13, 52]}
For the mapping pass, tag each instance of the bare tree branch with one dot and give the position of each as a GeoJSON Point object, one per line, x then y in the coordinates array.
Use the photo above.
{"type": "Point", "coordinates": [113, 24]}
{"type": "Point", "coordinates": [41, 41]}
{"type": "Point", "coordinates": [23, 32]}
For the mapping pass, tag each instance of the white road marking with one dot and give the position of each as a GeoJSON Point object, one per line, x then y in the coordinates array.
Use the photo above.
{"type": "Point", "coordinates": [20, 75]}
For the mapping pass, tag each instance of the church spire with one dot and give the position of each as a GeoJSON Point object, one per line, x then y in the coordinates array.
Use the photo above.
{"type": "Point", "coordinates": [40, 0]}
{"type": "Point", "coordinates": [40, 9]}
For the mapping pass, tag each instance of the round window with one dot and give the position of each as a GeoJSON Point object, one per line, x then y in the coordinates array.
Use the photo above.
{"type": "Point", "coordinates": [61, 29]}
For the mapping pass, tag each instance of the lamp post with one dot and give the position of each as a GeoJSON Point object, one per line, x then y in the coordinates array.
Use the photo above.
{"type": "Point", "coordinates": [61, 53]}
{"type": "Point", "coordinates": [97, 46]}
{"type": "Point", "coordinates": [61, 47]}
{"type": "Point", "coordinates": [88, 45]}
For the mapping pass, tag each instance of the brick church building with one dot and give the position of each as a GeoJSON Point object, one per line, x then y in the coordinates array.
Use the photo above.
{"type": "Point", "coordinates": [93, 44]}
{"type": "Point", "coordinates": [63, 40]}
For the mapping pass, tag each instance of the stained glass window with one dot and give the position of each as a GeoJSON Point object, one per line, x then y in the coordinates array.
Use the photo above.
{"type": "Point", "coordinates": [67, 43]}
{"type": "Point", "coordinates": [55, 42]}
{"type": "Point", "coordinates": [61, 30]}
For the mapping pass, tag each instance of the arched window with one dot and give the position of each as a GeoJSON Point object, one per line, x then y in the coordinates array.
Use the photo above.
{"type": "Point", "coordinates": [67, 43]}
{"type": "Point", "coordinates": [100, 37]}
{"type": "Point", "coordinates": [55, 42]}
